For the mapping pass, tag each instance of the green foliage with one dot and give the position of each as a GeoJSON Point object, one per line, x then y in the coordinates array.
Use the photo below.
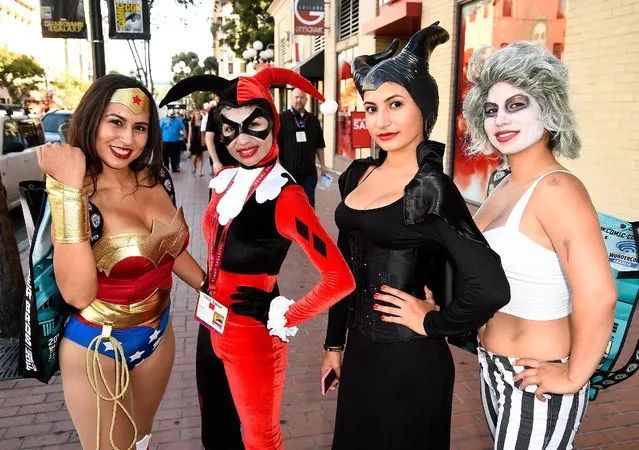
{"type": "Point", "coordinates": [252, 23]}
{"type": "Point", "coordinates": [71, 89]}
{"type": "Point", "coordinates": [19, 73]}
{"type": "Point", "coordinates": [192, 61]}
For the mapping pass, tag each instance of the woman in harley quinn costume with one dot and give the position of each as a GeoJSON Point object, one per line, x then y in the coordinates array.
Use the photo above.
{"type": "Point", "coordinates": [255, 212]}
{"type": "Point", "coordinates": [118, 239]}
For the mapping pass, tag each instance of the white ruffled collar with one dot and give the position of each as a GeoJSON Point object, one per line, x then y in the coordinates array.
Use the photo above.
{"type": "Point", "coordinates": [231, 204]}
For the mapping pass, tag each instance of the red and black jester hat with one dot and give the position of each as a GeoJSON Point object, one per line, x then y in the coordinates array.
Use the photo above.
{"type": "Point", "coordinates": [244, 91]}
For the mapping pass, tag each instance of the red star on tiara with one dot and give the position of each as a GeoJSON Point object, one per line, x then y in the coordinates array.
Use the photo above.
{"type": "Point", "coordinates": [137, 100]}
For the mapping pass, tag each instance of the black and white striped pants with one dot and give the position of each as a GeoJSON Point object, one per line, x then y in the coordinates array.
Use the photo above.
{"type": "Point", "coordinates": [517, 419]}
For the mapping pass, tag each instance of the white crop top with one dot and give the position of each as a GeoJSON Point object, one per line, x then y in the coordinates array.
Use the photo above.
{"type": "Point", "coordinates": [538, 286]}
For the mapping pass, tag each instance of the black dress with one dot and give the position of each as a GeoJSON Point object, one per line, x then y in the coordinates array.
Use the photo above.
{"type": "Point", "coordinates": [196, 140]}
{"type": "Point", "coordinates": [396, 386]}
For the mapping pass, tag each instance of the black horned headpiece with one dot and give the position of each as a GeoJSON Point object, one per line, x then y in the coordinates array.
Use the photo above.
{"type": "Point", "coordinates": [408, 69]}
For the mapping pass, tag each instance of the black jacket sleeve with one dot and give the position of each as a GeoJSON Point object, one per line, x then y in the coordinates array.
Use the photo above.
{"type": "Point", "coordinates": [337, 314]}
{"type": "Point", "coordinates": [482, 287]}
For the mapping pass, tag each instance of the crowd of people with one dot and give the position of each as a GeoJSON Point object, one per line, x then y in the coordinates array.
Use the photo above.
{"type": "Point", "coordinates": [526, 280]}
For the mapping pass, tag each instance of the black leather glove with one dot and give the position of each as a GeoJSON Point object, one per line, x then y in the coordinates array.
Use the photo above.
{"type": "Point", "coordinates": [253, 302]}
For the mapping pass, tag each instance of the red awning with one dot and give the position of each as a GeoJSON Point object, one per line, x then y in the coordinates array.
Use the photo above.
{"type": "Point", "coordinates": [399, 18]}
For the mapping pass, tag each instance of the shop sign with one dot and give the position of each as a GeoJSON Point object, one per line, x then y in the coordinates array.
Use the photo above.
{"type": "Point", "coordinates": [360, 137]}
{"type": "Point", "coordinates": [308, 17]}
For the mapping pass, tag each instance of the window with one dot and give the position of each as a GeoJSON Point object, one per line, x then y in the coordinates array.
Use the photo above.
{"type": "Point", "coordinates": [230, 68]}
{"type": "Point", "coordinates": [535, 20]}
{"type": "Point", "coordinates": [12, 140]}
{"type": "Point", "coordinates": [347, 101]}
{"type": "Point", "coordinates": [348, 19]}
{"type": "Point", "coordinates": [508, 8]}
{"type": "Point", "coordinates": [319, 42]}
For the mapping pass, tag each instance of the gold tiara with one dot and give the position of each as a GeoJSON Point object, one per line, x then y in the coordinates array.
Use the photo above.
{"type": "Point", "coordinates": [132, 98]}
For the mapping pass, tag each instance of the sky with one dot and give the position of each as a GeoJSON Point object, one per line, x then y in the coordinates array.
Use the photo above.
{"type": "Point", "coordinates": [174, 29]}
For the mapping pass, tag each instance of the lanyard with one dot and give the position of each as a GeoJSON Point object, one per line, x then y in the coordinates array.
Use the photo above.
{"type": "Point", "coordinates": [216, 256]}
{"type": "Point", "coordinates": [299, 120]}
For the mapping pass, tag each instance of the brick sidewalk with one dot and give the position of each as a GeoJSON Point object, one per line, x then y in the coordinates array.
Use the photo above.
{"type": "Point", "coordinates": [33, 415]}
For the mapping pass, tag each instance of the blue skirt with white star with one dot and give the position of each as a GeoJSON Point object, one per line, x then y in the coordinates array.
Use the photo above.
{"type": "Point", "coordinates": [138, 342]}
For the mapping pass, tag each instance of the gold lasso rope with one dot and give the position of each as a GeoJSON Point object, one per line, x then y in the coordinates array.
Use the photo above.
{"type": "Point", "coordinates": [122, 378]}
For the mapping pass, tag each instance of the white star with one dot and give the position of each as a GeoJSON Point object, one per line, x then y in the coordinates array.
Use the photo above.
{"type": "Point", "coordinates": [108, 347]}
{"type": "Point", "coordinates": [157, 343]}
{"type": "Point", "coordinates": [137, 355]}
{"type": "Point", "coordinates": [154, 336]}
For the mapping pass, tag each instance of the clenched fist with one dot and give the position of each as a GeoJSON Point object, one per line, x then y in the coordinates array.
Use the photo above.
{"type": "Point", "coordinates": [64, 163]}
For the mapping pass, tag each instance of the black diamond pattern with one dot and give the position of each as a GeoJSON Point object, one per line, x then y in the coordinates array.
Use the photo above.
{"type": "Point", "coordinates": [302, 228]}
{"type": "Point", "coordinates": [319, 245]}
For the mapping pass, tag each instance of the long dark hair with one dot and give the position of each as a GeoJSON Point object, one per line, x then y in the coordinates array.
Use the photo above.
{"type": "Point", "coordinates": [86, 119]}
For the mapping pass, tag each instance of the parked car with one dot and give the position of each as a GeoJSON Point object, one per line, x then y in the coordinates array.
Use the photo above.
{"type": "Point", "coordinates": [18, 158]}
{"type": "Point", "coordinates": [55, 124]}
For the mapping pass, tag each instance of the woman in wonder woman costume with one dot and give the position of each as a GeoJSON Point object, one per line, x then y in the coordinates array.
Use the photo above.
{"type": "Point", "coordinates": [118, 238]}
{"type": "Point", "coordinates": [255, 212]}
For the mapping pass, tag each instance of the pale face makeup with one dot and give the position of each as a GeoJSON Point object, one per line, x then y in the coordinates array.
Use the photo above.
{"type": "Point", "coordinates": [512, 119]}
{"type": "Point", "coordinates": [245, 148]}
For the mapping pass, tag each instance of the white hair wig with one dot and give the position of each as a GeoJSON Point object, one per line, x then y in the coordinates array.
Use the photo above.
{"type": "Point", "coordinates": [532, 68]}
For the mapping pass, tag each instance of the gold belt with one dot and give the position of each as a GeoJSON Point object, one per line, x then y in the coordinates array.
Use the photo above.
{"type": "Point", "coordinates": [147, 312]}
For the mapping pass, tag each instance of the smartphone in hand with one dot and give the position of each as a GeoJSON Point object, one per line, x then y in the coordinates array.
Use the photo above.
{"type": "Point", "coordinates": [329, 377]}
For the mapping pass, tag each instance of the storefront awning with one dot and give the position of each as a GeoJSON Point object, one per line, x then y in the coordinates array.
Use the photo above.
{"type": "Point", "coordinates": [312, 68]}
{"type": "Point", "coordinates": [396, 19]}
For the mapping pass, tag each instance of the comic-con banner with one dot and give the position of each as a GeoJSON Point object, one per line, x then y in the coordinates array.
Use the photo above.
{"type": "Point", "coordinates": [129, 19]}
{"type": "Point", "coordinates": [63, 19]}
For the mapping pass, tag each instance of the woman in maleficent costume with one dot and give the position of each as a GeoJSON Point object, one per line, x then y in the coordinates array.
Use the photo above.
{"type": "Point", "coordinates": [255, 212]}
{"type": "Point", "coordinates": [401, 220]}
{"type": "Point", "coordinates": [118, 238]}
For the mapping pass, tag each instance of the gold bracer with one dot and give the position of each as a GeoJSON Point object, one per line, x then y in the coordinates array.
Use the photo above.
{"type": "Point", "coordinates": [69, 213]}
{"type": "Point", "coordinates": [147, 312]}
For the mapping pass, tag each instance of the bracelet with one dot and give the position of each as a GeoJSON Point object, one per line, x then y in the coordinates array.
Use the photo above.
{"type": "Point", "coordinates": [204, 285]}
{"type": "Point", "coordinates": [333, 348]}
{"type": "Point", "coordinates": [69, 212]}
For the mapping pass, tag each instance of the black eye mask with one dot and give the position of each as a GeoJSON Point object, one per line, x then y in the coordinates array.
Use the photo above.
{"type": "Point", "coordinates": [239, 128]}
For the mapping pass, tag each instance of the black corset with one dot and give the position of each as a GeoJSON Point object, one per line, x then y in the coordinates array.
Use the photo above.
{"type": "Point", "coordinates": [406, 269]}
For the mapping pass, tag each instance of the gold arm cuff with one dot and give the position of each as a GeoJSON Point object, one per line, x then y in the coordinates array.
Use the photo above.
{"type": "Point", "coordinates": [69, 213]}
{"type": "Point", "coordinates": [147, 312]}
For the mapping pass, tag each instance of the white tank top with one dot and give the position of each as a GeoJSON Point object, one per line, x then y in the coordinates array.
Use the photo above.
{"type": "Point", "coordinates": [538, 286]}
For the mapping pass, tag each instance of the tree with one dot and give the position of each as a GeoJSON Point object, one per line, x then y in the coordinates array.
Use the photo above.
{"type": "Point", "coordinates": [71, 89]}
{"type": "Point", "coordinates": [19, 73]}
{"type": "Point", "coordinates": [251, 22]}
{"type": "Point", "coordinates": [187, 64]}
{"type": "Point", "coordinates": [11, 277]}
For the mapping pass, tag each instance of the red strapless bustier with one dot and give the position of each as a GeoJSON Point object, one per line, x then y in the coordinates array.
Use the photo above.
{"type": "Point", "coordinates": [131, 266]}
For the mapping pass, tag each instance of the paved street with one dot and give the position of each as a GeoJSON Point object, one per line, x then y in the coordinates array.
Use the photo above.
{"type": "Point", "coordinates": [33, 415]}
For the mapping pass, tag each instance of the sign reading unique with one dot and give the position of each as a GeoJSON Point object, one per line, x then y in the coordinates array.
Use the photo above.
{"type": "Point", "coordinates": [129, 19]}
{"type": "Point", "coordinates": [63, 19]}
{"type": "Point", "coordinates": [308, 17]}
{"type": "Point", "coordinates": [360, 137]}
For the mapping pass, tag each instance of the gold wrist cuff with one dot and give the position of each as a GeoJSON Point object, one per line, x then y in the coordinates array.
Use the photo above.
{"type": "Point", "coordinates": [69, 213]}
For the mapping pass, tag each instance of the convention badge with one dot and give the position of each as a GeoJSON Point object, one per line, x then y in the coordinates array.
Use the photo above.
{"type": "Point", "coordinates": [300, 136]}
{"type": "Point", "coordinates": [211, 313]}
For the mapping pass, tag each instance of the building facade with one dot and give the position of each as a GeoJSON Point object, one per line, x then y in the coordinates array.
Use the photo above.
{"type": "Point", "coordinates": [599, 41]}
{"type": "Point", "coordinates": [20, 32]}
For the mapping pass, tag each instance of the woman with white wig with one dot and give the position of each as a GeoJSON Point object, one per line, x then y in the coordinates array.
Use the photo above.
{"type": "Point", "coordinates": [539, 351]}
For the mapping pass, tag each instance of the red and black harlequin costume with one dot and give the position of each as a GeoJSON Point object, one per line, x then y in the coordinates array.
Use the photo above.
{"type": "Point", "coordinates": [254, 215]}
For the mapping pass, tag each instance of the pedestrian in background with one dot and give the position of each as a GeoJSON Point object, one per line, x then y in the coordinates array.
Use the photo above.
{"type": "Point", "coordinates": [172, 132]}
{"type": "Point", "coordinates": [194, 142]}
{"type": "Point", "coordinates": [301, 140]}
